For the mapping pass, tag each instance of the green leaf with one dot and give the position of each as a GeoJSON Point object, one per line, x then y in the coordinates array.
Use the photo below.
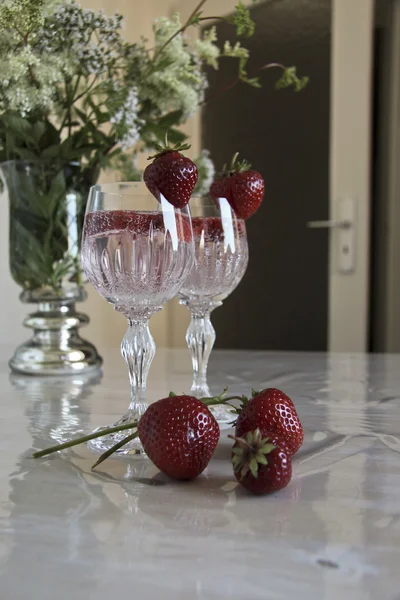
{"type": "Point", "coordinates": [51, 151]}
{"type": "Point", "coordinates": [38, 129]}
{"type": "Point", "coordinates": [26, 153]}
{"type": "Point", "coordinates": [242, 20]}
{"type": "Point", "coordinates": [81, 114]}
{"type": "Point", "coordinates": [267, 448]}
{"type": "Point", "coordinates": [17, 123]}
{"type": "Point", "coordinates": [254, 467]}
{"type": "Point", "coordinates": [237, 451]}
{"type": "Point", "coordinates": [50, 137]}
{"type": "Point", "coordinates": [175, 136]}
{"type": "Point", "coordinates": [236, 463]}
{"type": "Point", "coordinates": [289, 78]}
{"type": "Point", "coordinates": [172, 118]}
{"type": "Point", "coordinates": [252, 81]}
{"type": "Point", "coordinates": [261, 458]}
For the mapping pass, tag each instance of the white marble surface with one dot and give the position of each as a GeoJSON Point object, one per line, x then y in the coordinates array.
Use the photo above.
{"type": "Point", "coordinates": [128, 532]}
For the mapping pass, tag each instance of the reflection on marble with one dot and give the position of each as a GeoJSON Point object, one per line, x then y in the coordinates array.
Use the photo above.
{"type": "Point", "coordinates": [128, 531]}
{"type": "Point", "coordinates": [55, 405]}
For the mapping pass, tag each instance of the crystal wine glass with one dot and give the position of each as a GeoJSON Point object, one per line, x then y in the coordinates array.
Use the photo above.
{"type": "Point", "coordinates": [136, 252]}
{"type": "Point", "coordinates": [221, 257]}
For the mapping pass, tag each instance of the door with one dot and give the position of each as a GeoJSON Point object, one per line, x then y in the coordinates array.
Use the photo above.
{"type": "Point", "coordinates": [350, 174]}
{"type": "Point", "coordinates": [306, 288]}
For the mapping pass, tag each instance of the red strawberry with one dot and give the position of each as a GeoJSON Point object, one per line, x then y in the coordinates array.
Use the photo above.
{"type": "Point", "coordinates": [246, 192]}
{"type": "Point", "coordinates": [212, 228]}
{"type": "Point", "coordinates": [172, 175]}
{"type": "Point", "coordinates": [259, 463]}
{"type": "Point", "coordinates": [179, 434]}
{"type": "Point", "coordinates": [219, 189]}
{"type": "Point", "coordinates": [242, 187]}
{"type": "Point", "coordinates": [273, 411]}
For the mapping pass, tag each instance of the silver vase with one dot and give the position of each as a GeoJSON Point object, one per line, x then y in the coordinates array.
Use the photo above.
{"type": "Point", "coordinates": [47, 203]}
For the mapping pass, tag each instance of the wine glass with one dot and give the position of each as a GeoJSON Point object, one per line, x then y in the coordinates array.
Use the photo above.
{"type": "Point", "coordinates": [136, 252]}
{"type": "Point", "coordinates": [221, 257]}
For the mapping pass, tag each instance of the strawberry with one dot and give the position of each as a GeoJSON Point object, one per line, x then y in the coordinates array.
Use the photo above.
{"type": "Point", "coordinates": [242, 187]}
{"type": "Point", "coordinates": [179, 434]}
{"type": "Point", "coordinates": [272, 410]}
{"type": "Point", "coordinates": [212, 228]}
{"type": "Point", "coordinates": [172, 175]}
{"type": "Point", "coordinates": [260, 463]}
{"type": "Point", "coordinates": [219, 189]}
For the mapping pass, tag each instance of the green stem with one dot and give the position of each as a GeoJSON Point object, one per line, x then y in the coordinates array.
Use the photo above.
{"type": "Point", "coordinates": [212, 19]}
{"type": "Point", "coordinates": [233, 83]}
{"type": "Point", "coordinates": [84, 439]}
{"type": "Point", "coordinates": [181, 30]}
{"type": "Point", "coordinates": [114, 448]}
{"type": "Point", "coordinates": [88, 89]}
{"type": "Point", "coordinates": [218, 400]}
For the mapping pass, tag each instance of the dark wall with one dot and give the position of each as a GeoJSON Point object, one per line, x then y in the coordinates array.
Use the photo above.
{"type": "Point", "coordinates": [282, 301]}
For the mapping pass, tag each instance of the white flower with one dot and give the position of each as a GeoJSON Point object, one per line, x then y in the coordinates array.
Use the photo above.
{"type": "Point", "coordinates": [207, 50]}
{"type": "Point", "coordinates": [179, 83]}
{"type": "Point", "coordinates": [236, 51]}
{"type": "Point", "coordinates": [127, 121]}
{"type": "Point", "coordinates": [206, 169]}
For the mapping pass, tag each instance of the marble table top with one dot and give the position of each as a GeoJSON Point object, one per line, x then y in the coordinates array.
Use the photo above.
{"type": "Point", "coordinates": [129, 532]}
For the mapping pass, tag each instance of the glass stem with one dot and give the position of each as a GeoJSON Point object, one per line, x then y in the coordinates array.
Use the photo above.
{"type": "Point", "coordinates": [138, 349]}
{"type": "Point", "coordinates": [200, 338]}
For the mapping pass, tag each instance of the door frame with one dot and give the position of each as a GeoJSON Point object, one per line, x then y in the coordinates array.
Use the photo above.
{"type": "Point", "coordinates": [350, 169]}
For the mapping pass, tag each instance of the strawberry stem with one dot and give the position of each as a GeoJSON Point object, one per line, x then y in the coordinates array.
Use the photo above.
{"type": "Point", "coordinates": [236, 166]}
{"type": "Point", "coordinates": [163, 149]}
{"type": "Point", "coordinates": [114, 448]}
{"type": "Point", "coordinates": [85, 438]}
{"type": "Point", "coordinates": [242, 441]}
{"type": "Point", "coordinates": [233, 161]}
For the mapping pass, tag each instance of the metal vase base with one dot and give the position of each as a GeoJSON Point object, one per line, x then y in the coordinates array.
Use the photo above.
{"type": "Point", "coordinates": [56, 347]}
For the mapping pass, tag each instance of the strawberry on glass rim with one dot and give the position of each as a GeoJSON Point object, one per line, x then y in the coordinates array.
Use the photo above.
{"type": "Point", "coordinates": [171, 174]}
{"type": "Point", "coordinates": [241, 186]}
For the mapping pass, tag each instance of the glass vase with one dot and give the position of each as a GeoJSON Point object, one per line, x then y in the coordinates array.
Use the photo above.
{"type": "Point", "coordinates": [47, 205]}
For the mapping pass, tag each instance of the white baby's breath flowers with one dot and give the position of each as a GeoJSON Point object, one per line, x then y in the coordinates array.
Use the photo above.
{"type": "Point", "coordinates": [207, 49]}
{"type": "Point", "coordinates": [236, 51]}
{"type": "Point", "coordinates": [127, 121]}
{"type": "Point", "coordinates": [180, 84]}
{"type": "Point", "coordinates": [69, 68]}
{"type": "Point", "coordinates": [206, 169]}
{"type": "Point", "coordinates": [27, 83]}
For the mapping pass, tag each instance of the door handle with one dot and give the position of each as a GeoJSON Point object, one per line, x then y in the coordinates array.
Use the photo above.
{"type": "Point", "coordinates": [344, 239]}
{"type": "Point", "coordinates": [345, 224]}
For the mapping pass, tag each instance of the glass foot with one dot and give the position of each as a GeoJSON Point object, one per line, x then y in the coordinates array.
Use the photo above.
{"type": "Point", "coordinates": [132, 449]}
{"type": "Point", "coordinates": [223, 415]}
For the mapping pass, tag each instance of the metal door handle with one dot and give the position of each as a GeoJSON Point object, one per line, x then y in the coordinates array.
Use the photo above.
{"type": "Point", "coordinates": [330, 224]}
{"type": "Point", "coordinates": [344, 239]}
